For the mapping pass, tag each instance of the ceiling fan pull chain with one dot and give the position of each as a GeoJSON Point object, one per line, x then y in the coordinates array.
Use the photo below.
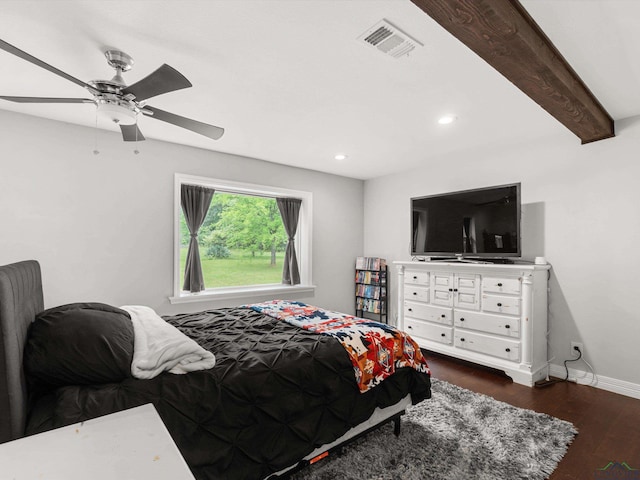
{"type": "Point", "coordinates": [135, 150]}
{"type": "Point", "coordinates": [95, 135]}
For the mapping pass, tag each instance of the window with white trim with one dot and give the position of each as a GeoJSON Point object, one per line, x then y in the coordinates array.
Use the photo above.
{"type": "Point", "coordinates": [241, 239]}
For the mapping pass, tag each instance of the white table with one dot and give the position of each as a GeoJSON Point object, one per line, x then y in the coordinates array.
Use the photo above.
{"type": "Point", "coordinates": [128, 445]}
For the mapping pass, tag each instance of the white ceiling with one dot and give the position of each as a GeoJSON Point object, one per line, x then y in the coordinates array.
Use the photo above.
{"type": "Point", "coordinates": [291, 83]}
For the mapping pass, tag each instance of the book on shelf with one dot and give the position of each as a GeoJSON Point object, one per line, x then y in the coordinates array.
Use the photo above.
{"type": "Point", "coordinates": [370, 263]}
{"type": "Point", "coordinates": [370, 305]}
{"type": "Point", "coordinates": [371, 291]}
{"type": "Point", "coordinates": [371, 277]}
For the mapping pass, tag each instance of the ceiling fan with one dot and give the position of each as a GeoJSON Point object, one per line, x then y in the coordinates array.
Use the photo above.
{"type": "Point", "coordinates": [119, 102]}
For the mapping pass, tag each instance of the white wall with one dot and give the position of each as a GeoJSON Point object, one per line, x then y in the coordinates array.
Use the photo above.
{"type": "Point", "coordinates": [102, 225]}
{"type": "Point", "coordinates": [581, 210]}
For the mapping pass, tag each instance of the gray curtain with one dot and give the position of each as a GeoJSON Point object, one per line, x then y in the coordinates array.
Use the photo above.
{"type": "Point", "coordinates": [195, 201]}
{"type": "Point", "coordinates": [290, 211]}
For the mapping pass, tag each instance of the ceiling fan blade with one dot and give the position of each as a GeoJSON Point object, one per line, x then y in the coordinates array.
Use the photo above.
{"type": "Point", "coordinates": [165, 79]}
{"type": "Point", "coordinates": [207, 130]}
{"type": "Point", "coordinates": [46, 100]}
{"type": "Point", "coordinates": [131, 133]}
{"type": "Point", "coordinates": [30, 58]}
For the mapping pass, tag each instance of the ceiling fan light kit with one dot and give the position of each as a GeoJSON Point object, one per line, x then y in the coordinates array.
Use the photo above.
{"type": "Point", "coordinates": [116, 112]}
{"type": "Point", "coordinates": [118, 102]}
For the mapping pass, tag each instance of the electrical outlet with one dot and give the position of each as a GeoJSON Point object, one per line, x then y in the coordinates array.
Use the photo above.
{"type": "Point", "coordinates": [574, 352]}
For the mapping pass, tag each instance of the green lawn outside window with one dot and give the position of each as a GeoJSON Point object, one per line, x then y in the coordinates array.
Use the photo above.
{"type": "Point", "coordinates": [240, 269]}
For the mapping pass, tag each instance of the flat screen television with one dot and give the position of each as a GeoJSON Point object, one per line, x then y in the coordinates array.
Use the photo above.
{"type": "Point", "coordinates": [479, 223]}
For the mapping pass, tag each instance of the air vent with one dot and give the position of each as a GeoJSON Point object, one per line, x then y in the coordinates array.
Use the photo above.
{"type": "Point", "coordinates": [389, 40]}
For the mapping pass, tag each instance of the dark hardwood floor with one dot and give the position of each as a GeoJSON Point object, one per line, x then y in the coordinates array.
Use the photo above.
{"type": "Point", "coordinates": [608, 424]}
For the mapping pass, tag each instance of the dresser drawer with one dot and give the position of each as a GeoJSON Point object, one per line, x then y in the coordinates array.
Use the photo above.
{"type": "Point", "coordinates": [501, 304]}
{"type": "Point", "coordinates": [430, 313]}
{"type": "Point", "coordinates": [494, 346]}
{"type": "Point", "coordinates": [501, 285]}
{"type": "Point", "coordinates": [442, 297]}
{"type": "Point", "coordinates": [442, 281]}
{"type": "Point", "coordinates": [467, 282]}
{"type": "Point", "coordinates": [486, 322]}
{"type": "Point", "coordinates": [429, 331]}
{"type": "Point", "coordinates": [468, 300]}
{"type": "Point", "coordinates": [417, 293]}
{"type": "Point", "coordinates": [416, 278]}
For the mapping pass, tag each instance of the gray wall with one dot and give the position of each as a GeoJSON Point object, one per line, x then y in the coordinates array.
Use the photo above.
{"type": "Point", "coordinates": [102, 225]}
{"type": "Point", "coordinates": [580, 211]}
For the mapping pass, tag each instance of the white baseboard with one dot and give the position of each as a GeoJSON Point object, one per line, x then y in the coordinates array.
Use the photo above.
{"type": "Point", "coordinates": [582, 377]}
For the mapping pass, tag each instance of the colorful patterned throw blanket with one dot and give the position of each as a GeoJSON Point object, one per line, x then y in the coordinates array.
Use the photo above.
{"type": "Point", "coordinates": [376, 349]}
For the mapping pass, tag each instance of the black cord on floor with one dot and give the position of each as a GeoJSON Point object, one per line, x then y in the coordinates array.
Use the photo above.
{"type": "Point", "coordinates": [546, 383]}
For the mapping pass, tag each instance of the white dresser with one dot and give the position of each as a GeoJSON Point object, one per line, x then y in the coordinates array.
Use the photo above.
{"type": "Point", "coordinates": [490, 314]}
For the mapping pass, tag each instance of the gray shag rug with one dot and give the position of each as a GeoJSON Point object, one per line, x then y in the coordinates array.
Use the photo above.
{"type": "Point", "coordinates": [457, 434]}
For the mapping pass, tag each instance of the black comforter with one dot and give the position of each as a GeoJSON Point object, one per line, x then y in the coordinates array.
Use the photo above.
{"type": "Point", "coordinates": [275, 393]}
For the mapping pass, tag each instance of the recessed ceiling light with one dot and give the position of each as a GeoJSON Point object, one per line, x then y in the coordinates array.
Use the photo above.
{"type": "Point", "coordinates": [447, 119]}
{"type": "Point", "coordinates": [340, 156]}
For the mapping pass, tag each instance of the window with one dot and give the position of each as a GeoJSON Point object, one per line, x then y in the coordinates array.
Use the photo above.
{"type": "Point", "coordinates": [241, 239]}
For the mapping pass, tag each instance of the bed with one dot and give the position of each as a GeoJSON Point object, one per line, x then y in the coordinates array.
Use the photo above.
{"type": "Point", "coordinates": [277, 398]}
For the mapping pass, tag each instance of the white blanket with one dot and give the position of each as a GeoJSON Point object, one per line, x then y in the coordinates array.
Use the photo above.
{"type": "Point", "coordinates": [159, 346]}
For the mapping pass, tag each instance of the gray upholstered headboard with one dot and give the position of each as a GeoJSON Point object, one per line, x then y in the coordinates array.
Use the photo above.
{"type": "Point", "coordinates": [20, 300]}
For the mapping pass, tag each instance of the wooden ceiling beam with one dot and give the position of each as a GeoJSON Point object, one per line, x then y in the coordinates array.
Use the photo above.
{"type": "Point", "coordinates": [507, 38]}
